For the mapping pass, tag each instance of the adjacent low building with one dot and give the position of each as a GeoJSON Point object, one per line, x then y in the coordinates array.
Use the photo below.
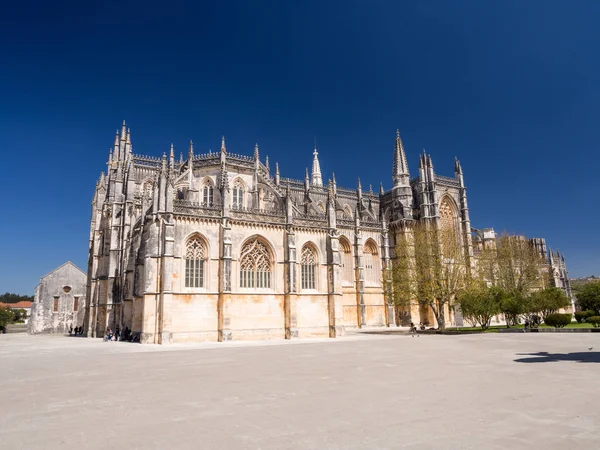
{"type": "Point", "coordinates": [59, 301]}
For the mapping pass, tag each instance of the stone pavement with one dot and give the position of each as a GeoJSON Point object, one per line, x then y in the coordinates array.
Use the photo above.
{"type": "Point", "coordinates": [363, 391]}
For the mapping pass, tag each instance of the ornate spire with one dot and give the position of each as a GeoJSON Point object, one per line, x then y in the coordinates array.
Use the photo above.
{"type": "Point", "coordinates": [457, 167]}
{"type": "Point", "coordinates": [400, 173]}
{"type": "Point", "coordinates": [277, 177]}
{"type": "Point", "coordinates": [317, 179]}
{"type": "Point", "coordinates": [180, 158]}
{"type": "Point", "coordinates": [223, 148]}
{"type": "Point", "coordinates": [267, 163]}
{"type": "Point", "coordinates": [359, 185]}
{"type": "Point", "coordinates": [381, 191]}
{"type": "Point", "coordinates": [172, 156]}
{"type": "Point", "coordinates": [124, 132]}
{"type": "Point", "coordinates": [256, 155]}
{"type": "Point", "coordinates": [191, 150]}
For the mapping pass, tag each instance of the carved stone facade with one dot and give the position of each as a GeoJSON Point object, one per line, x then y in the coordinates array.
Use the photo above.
{"type": "Point", "coordinates": [216, 247]}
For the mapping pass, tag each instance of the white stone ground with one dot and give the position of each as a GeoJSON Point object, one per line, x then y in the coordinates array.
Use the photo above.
{"type": "Point", "coordinates": [358, 392]}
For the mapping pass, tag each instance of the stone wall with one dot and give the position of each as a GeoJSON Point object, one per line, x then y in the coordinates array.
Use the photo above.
{"type": "Point", "coordinates": [59, 301]}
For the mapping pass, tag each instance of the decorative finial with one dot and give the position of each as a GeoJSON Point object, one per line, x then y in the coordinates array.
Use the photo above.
{"type": "Point", "coordinates": [381, 191]}
{"type": "Point", "coordinates": [172, 152]}
{"type": "Point", "coordinates": [277, 168]}
{"type": "Point", "coordinates": [359, 185]}
{"type": "Point", "coordinates": [267, 163]}
{"type": "Point", "coordinates": [223, 148]}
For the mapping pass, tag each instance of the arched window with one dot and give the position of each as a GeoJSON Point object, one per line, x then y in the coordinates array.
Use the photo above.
{"type": "Point", "coordinates": [371, 263]}
{"type": "Point", "coordinates": [347, 265]}
{"type": "Point", "coordinates": [207, 194]}
{"type": "Point", "coordinates": [238, 194]}
{"type": "Point", "coordinates": [255, 265]}
{"type": "Point", "coordinates": [195, 255]}
{"type": "Point", "coordinates": [308, 264]}
{"type": "Point", "coordinates": [448, 225]}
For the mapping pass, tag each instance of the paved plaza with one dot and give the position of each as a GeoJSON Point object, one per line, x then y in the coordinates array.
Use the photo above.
{"type": "Point", "coordinates": [367, 391]}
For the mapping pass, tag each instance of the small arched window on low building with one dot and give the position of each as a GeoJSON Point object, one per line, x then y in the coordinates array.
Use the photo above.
{"type": "Point", "coordinates": [195, 258]}
{"type": "Point", "coordinates": [308, 267]}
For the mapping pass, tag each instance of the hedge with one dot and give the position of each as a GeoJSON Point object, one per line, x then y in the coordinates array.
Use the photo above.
{"type": "Point", "coordinates": [580, 316]}
{"type": "Point", "coordinates": [558, 320]}
{"type": "Point", "coordinates": [594, 320]}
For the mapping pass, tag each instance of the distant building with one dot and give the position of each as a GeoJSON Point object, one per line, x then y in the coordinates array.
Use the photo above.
{"type": "Point", "coordinates": [24, 305]}
{"type": "Point", "coordinates": [59, 301]}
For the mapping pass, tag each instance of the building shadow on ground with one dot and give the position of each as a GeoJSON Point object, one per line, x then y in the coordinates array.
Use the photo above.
{"type": "Point", "coordinates": [542, 357]}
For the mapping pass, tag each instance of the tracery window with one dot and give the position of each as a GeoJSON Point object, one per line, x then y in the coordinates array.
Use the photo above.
{"type": "Point", "coordinates": [238, 194]}
{"type": "Point", "coordinates": [207, 194]}
{"type": "Point", "coordinates": [347, 265]}
{"type": "Point", "coordinates": [308, 263]}
{"type": "Point", "coordinates": [371, 263]}
{"type": "Point", "coordinates": [255, 265]}
{"type": "Point", "coordinates": [448, 224]}
{"type": "Point", "coordinates": [195, 255]}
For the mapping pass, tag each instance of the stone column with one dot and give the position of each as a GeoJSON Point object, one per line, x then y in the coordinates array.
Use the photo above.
{"type": "Point", "coordinates": [290, 288]}
{"type": "Point", "coordinates": [387, 276]}
{"type": "Point", "coordinates": [224, 281]}
{"type": "Point", "coordinates": [360, 275]}
{"type": "Point", "coordinates": [334, 283]}
{"type": "Point", "coordinates": [166, 281]}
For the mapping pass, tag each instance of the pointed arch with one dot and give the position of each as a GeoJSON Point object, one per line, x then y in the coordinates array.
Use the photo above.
{"type": "Point", "coordinates": [449, 220]}
{"type": "Point", "coordinates": [239, 187]}
{"type": "Point", "coordinates": [195, 256]}
{"type": "Point", "coordinates": [208, 189]}
{"type": "Point", "coordinates": [371, 262]}
{"type": "Point", "coordinates": [308, 266]}
{"type": "Point", "coordinates": [256, 264]}
{"type": "Point", "coordinates": [346, 261]}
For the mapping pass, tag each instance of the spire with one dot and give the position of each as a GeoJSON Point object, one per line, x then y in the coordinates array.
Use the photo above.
{"type": "Point", "coordinates": [180, 158]}
{"type": "Point", "coordinates": [256, 156]}
{"type": "Point", "coordinates": [172, 156]}
{"type": "Point", "coordinates": [359, 185]}
{"type": "Point", "coordinates": [371, 189]}
{"type": "Point", "coordinates": [381, 191]}
{"type": "Point", "coordinates": [124, 132]}
{"type": "Point", "coordinates": [400, 173]}
{"type": "Point", "coordinates": [164, 162]}
{"type": "Point", "coordinates": [191, 151]}
{"type": "Point", "coordinates": [267, 163]}
{"type": "Point", "coordinates": [223, 148]}
{"type": "Point", "coordinates": [317, 179]}
{"type": "Point", "coordinates": [306, 180]}
{"type": "Point", "coordinates": [277, 177]}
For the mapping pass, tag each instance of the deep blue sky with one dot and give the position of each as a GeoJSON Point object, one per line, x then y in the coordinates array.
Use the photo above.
{"type": "Point", "coordinates": [511, 88]}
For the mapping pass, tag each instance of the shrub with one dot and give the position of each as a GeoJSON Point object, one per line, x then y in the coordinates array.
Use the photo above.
{"type": "Point", "coordinates": [590, 313]}
{"type": "Point", "coordinates": [580, 316]}
{"type": "Point", "coordinates": [558, 320]}
{"type": "Point", "coordinates": [594, 320]}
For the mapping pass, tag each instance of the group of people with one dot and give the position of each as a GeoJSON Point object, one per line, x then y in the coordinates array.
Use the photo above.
{"type": "Point", "coordinates": [78, 331]}
{"type": "Point", "coordinates": [116, 335]}
{"type": "Point", "coordinates": [413, 328]}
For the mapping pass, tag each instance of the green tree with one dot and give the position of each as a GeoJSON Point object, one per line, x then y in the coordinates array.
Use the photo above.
{"type": "Point", "coordinates": [547, 301]}
{"type": "Point", "coordinates": [588, 297]}
{"type": "Point", "coordinates": [430, 269]}
{"type": "Point", "coordinates": [6, 316]}
{"type": "Point", "coordinates": [480, 304]}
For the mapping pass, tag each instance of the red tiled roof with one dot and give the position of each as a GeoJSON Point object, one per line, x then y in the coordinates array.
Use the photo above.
{"type": "Point", "coordinates": [18, 305]}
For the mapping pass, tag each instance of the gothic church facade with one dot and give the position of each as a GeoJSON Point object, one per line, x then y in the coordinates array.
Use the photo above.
{"type": "Point", "coordinates": [220, 246]}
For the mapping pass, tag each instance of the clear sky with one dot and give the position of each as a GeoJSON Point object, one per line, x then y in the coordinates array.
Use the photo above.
{"type": "Point", "coordinates": [511, 88]}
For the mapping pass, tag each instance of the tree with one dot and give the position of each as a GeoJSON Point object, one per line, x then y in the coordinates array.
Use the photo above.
{"type": "Point", "coordinates": [517, 268]}
{"type": "Point", "coordinates": [588, 297]}
{"type": "Point", "coordinates": [547, 301]}
{"type": "Point", "coordinates": [7, 297]}
{"type": "Point", "coordinates": [480, 304]}
{"type": "Point", "coordinates": [6, 316]}
{"type": "Point", "coordinates": [430, 269]}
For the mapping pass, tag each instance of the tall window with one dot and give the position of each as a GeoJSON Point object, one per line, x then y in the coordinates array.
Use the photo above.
{"type": "Point", "coordinates": [347, 265]}
{"type": "Point", "coordinates": [195, 255]}
{"type": "Point", "coordinates": [55, 305]}
{"type": "Point", "coordinates": [238, 194]}
{"type": "Point", "coordinates": [371, 263]}
{"type": "Point", "coordinates": [75, 304]}
{"type": "Point", "coordinates": [207, 194]}
{"type": "Point", "coordinates": [255, 265]}
{"type": "Point", "coordinates": [448, 225]}
{"type": "Point", "coordinates": [308, 263]}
